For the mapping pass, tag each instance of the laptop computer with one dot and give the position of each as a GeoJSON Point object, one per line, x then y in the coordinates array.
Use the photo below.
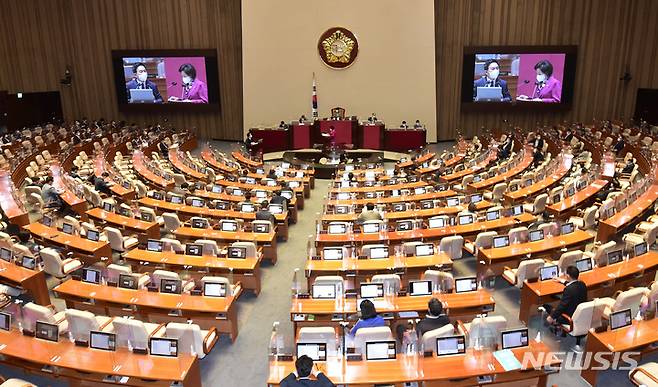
{"type": "Point", "coordinates": [489, 94]}
{"type": "Point", "coordinates": [450, 345]}
{"type": "Point", "coordinates": [141, 96]}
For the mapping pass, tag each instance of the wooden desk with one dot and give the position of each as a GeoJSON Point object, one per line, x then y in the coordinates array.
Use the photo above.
{"type": "Point", "coordinates": [144, 230]}
{"type": "Point", "coordinates": [497, 258]}
{"type": "Point", "coordinates": [626, 217]}
{"type": "Point", "coordinates": [79, 205]}
{"type": "Point", "coordinates": [14, 209]}
{"type": "Point", "coordinates": [300, 192]}
{"type": "Point", "coordinates": [395, 199]}
{"type": "Point", "coordinates": [358, 270]}
{"type": "Point", "coordinates": [424, 233]}
{"type": "Point", "coordinates": [568, 205]}
{"type": "Point", "coordinates": [637, 337]}
{"type": "Point", "coordinates": [246, 161]}
{"type": "Point", "coordinates": [79, 246]}
{"type": "Point", "coordinates": [151, 178]}
{"type": "Point", "coordinates": [543, 185]}
{"type": "Point", "coordinates": [457, 371]}
{"type": "Point", "coordinates": [246, 271]}
{"type": "Point", "coordinates": [208, 156]}
{"type": "Point", "coordinates": [33, 281]}
{"type": "Point", "coordinates": [388, 187]}
{"type": "Point", "coordinates": [292, 203]}
{"type": "Point", "coordinates": [458, 158]}
{"type": "Point", "coordinates": [267, 241]}
{"type": "Point", "coordinates": [410, 214]}
{"type": "Point", "coordinates": [521, 166]}
{"type": "Point", "coordinates": [86, 366]}
{"type": "Point", "coordinates": [185, 212]}
{"type": "Point", "coordinates": [491, 156]}
{"type": "Point", "coordinates": [178, 164]}
{"type": "Point", "coordinates": [600, 281]}
{"type": "Point", "coordinates": [124, 193]}
{"type": "Point", "coordinates": [459, 306]}
{"type": "Point", "coordinates": [207, 312]}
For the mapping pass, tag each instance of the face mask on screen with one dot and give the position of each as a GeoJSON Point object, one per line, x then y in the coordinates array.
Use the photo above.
{"type": "Point", "coordinates": [142, 77]}
{"type": "Point", "coordinates": [187, 80]}
{"type": "Point", "coordinates": [541, 78]}
{"type": "Point", "coordinates": [493, 74]}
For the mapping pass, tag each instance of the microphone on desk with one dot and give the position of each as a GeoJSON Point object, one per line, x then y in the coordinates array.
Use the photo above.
{"type": "Point", "coordinates": [172, 84]}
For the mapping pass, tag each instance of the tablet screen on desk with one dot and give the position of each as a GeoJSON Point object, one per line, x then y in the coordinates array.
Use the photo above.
{"type": "Point", "coordinates": [337, 229]}
{"type": "Point", "coordinates": [399, 207]}
{"type": "Point", "coordinates": [514, 338]}
{"type": "Point", "coordinates": [332, 253]}
{"type": "Point", "coordinates": [640, 249]}
{"type": "Point", "coordinates": [420, 288]}
{"type": "Point", "coordinates": [216, 188]}
{"type": "Point", "coordinates": [67, 228]}
{"type": "Point", "coordinates": [91, 276]}
{"type": "Point", "coordinates": [614, 257]}
{"type": "Point", "coordinates": [566, 228]}
{"type": "Point", "coordinates": [370, 228]}
{"type": "Point", "coordinates": [154, 245]}
{"type": "Point", "coordinates": [323, 291]}
{"type": "Point", "coordinates": [501, 241]}
{"type": "Point", "coordinates": [5, 321]}
{"type": "Point", "coordinates": [237, 252]}
{"type": "Point", "coordinates": [199, 223]}
{"type": "Point", "coordinates": [475, 199]}
{"type": "Point", "coordinates": [194, 249]}
{"type": "Point", "coordinates": [47, 221]}
{"type": "Point", "coordinates": [341, 209]}
{"type": "Point", "coordinates": [548, 272]}
{"type": "Point", "coordinates": [170, 286]}
{"type": "Point", "coordinates": [214, 289]}
{"type": "Point", "coordinates": [93, 235]}
{"type": "Point", "coordinates": [450, 345]}
{"type": "Point", "coordinates": [229, 226]}
{"type": "Point", "coordinates": [236, 192]}
{"type": "Point", "coordinates": [452, 202]}
{"type": "Point", "coordinates": [620, 319]}
{"type": "Point", "coordinates": [102, 340]}
{"type": "Point", "coordinates": [493, 215]}
{"type": "Point", "coordinates": [536, 235]}
{"type": "Point", "coordinates": [424, 250]}
{"type": "Point", "coordinates": [5, 254]}
{"type": "Point", "coordinates": [107, 206]}
{"type": "Point", "coordinates": [316, 351]}
{"type": "Point", "coordinates": [163, 347]}
{"type": "Point", "coordinates": [404, 225]}
{"type": "Point", "coordinates": [176, 199]}
{"type": "Point", "coordinates": [146, 217]}
{"type": "Point", "coordinates": [197, 203]}
{"type": "Point", "coordinates": [287, 194]}
{"type": "Point", "coordinates": [293, 184]}
{"type": "Point", "coordinates": [517, 210]}
{"type": "Point", "coordinates": [584, 264]}
{"type": "Point", "coordinates": [379, 252]}
{"type": "Point", "coordinates": [468, 284]}
{"type": "Point", "coordinates": [371, 290]}
{"type": "Point", "coordinates": [46, 331]}
{"type": "Point", "coordinates": [465, 219]}
{"type": "Point", "coordinates": [28, 262]}
{"type": "Point", "coordinates": [127, 281]}
{"type": "Point", "coordinates": [436, 222]}
{"type": "Point", "coordinates": [222, 205]}
{"type": "Point", "coordinates": [260, 194]}
{"type": "Point", "coordinates": [262, 228]}
{"type": "Point", "coordinates": [380, 350]}
{"type": "Point", "coordinates": [419, 190]}
{"type": "Point", "coordinates": [275, 209]}
{"type": "Point", "coordinates": [157, 196]}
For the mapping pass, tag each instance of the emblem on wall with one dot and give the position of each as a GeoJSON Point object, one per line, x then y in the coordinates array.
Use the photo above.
{"type": "Point", "coordinates": [338, 47]}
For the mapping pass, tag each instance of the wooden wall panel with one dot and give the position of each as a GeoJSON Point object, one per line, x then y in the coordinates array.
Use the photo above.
{"type": "Point", "coordinates": [42, 36]}
{"type": "Point", "coordinates": [611, 36]}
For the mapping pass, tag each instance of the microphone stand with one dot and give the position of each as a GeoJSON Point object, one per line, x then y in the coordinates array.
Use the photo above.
{"type": "Point", "coordinates": [343, 325]}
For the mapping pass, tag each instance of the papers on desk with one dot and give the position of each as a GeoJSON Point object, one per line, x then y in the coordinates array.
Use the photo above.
{"type": "Point", "coordinates": [507, 359]}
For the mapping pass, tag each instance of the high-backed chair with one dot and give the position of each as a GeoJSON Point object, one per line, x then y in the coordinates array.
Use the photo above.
{"type": "Point", "coordinates": [15, 382]}
{"type": "Point", "coordinates": [518, 235]}
{"type": "Point", "coordinates": [390, 281]}
{"type": "Point", "coordinates": [600, 253]}
{"type": "Point", "coordinates": [409, 248]}
{"type": "Point", "coordinates": [210, 246]}
{"type": "Point", "coordinates": [118, 242]}
{"type": "Point", "coordinates": [487, 327]}
{"type": "Point", "coordinates": [192, 339]}
{"type": "Point", "coordinates": [249, 246]}
{"type": "Point", "coordinates": [538, 206]}
{"type": "Point", "coordinates": [171, 244]}
{"type": "Point", "coordinates": [135, 333]}
{"type": "Point", "coordinates": [429, 337]}
{"type": "Point", "coordinates": [325, 335]}
{"type": "Point", "coordinates": [171, 221]}
{"type": "Point", "coordinates": [220, 280]}
{"type": "Point", "coordinates": [114, 270]}
{"type": "Point", "coordinates": [335, 280]}
{"type": "Point", "coordinates": [81, 322]}
{"type": "Point", "coordinates": [645, 375]}
{"type": "Point", "coordinates": [34, 312]}
{"type": "Point", "coordinates": [366, 249]}
{"type": "Point", "coordinates": [442, 281]}
{"type": "Point", "coordinates": [452, 246]}
{"type": "Point", "coordinates": [567, 259]}
{"type": "Point", "coordinates": [203, 222]}
{"type": "Point", "coordinates": [528, 269]}
{"type": "Point", "coordinates": [159, 275]}
{"type": "Point", "coordinates": [365, 335]}
{"type": "Point", "coordinates": [496, 194]}
{"type": "Point", "coordinates": [54, 265]}
{"type": "Point", "coordinates": [150, 213]}
{"type": "Point", "coordinates": [588, 219]}
{"type": "Point", "coordinates": [483, 240]}
{"type": "Point", "coordinates": [629, 299]}
{"type": "Point", "coordinates": [586, 316]}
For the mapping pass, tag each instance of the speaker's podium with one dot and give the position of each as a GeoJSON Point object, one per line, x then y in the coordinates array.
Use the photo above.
{"type": "Point", "coordinates": [372, 135]}
{"type": "Point", "coordinates": [301, 134]}
{"type": "Point", "coordinates": [343, 127]}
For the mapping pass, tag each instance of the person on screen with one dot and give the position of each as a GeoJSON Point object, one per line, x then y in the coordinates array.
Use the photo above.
{"type": "Point", "coordinates": [140, 81]}
{"type": "Point", "coordinates": [194, 90]}
{"type": "Point", "coordinates": [490, 79]}
{"type": "Point", "coordinates": [304, 367]}
{"type": "Point", "coordinates": [547, 88]}
{"type": "Point", "coordinates": [369, 317]}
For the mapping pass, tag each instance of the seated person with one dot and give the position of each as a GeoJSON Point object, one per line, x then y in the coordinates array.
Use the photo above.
{"type": "Point", "coordinates": [277, 198]}
{"type": "Point", "coordinates": [628, 168]}
{"type": "Point", "coordinates": [574, 293]}
{"type": "Point", "coordinates": [434, 319]}
{"type": "Point", "coordinates": [619, 145]}
{"type": "Point", "coordinates": [140, 81]}
{"type": "Point", "coordinates": [283, 125]}
{"type": "Point", "coordinates": [491, 79]}
{"type": "Point", "coordinates": [368, 213]}
{"type": "Point", "coordinates": [101, 185]}
{"type": "Point", "coordinates": [418, 125]}
{"type": "Point", "coordinates": [301, 377]}
{"type": "Point", "coordinates": [537, 157]}
{"type": "Point", "coordinates": [404, 125]}
{"type": "Point", "coordinates": [264, 214]}
{"type": "Point", "coordinates": [182, 190]}
{"type": "Point", "coordinates": [372, 118]}
{"type": "Point", "coordinates": [302, 119]}
{"type": "Point", "coordinates": [369, 317]}
{"type": "Point", "coordinates": [50, 194]}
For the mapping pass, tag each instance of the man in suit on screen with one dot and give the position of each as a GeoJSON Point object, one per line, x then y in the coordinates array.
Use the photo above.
{"type": "Point", "coordinates": [140, 81]}
{"type": "Point", "coordinates": [491, 79]}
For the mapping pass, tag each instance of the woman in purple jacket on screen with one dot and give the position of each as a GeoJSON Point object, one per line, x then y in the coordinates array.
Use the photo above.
{"type": "Point", "coordinates": [547, 88]}
{"type": "Point", "coordinates": [194, 90]}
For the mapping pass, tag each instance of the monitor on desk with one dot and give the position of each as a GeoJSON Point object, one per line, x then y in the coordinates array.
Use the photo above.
{"type": "Point", "coordinates": [146, 217]}
{"type": "Point", "coordinates": [493, 215]}
{"type": "Point", "coordinates": [47, 221]}
{"type": "Point", "coordinates": [102, 340]}
{"type": "Point", "coordinates": [477, 179]}
{"type": "Point", "coordinates": [489, 94]}
{"type": "Point", "coordinates": [247, 207]}
{"type": "Point", "coordinates": [380, 350]}
{"type": "Point", "coordinates": [93, 235]}
{"type": "Point", "coordinates": [332, 253]}
{"type": "Point", "coordinates": [92, 276]}
{"type": "Point", "coordinates": [614, 257]}
{"type": "Point", "coordinates": [517, 210]}
{"type": "Point", "coordinates": [28, 262]}
{"type": "Point", "coordinates": [465, 219]}
{"type": "Point", "coordinates": [584, 265]}
{"type": "Point", "coordinates": [341, 209]}
{"type": "Point", "coordinates": [452, 202]}
{"type": "Point", "coordinates": [476, 198]}
{"type": "Point", "coordinates": [323, 291]}
{"type": "Point", "coordinates": [467, 284]}
{"type": "Point", "coordinates": [450, 345]}
{"type": "Point", "coordinates": [639, 249]}
{"type": "Point", "coordinates": [514, 338]}
{"type": "Point", "coordinates": [67, 228]}
{"type": "Point", "coordinates": [237, 192]}
{"type": "Point", "coordinates": [379, 252]}
{"type": "Point", "coordinates": [154, 245]}
{"type": "Point", "coordinates": [343, 196]}
{"type": "Point", "coordinates": [404, 225]}
{"type": "Point", "coordinates": [556, 198]}
{"type": "Point", "coordinates": [5, 321]}
{"type": "Point", "coordinates": [260, 194]}
{"type": "Point", "coordinates": [222, 205]}
{"type": "Point", "coordinates": [229, 226]}
{"type": "Point", "coordinates": [371, 290]}
{"type": "Point", "coordinates": [395, 192]}
{"type": "Point", "coordinates": [46, 331]}
{"type": "Point", "coordinates": [250, 180]}
{"type": "Point", "coordinates": [570, 192]}
{"type": "Point", "coordinates": [171, 286]}
{"type": "Point", "coordinates": [197, 203]}
{"type": "Point", "coordinates": [293, 184]}
{"type": "Point", "coordinates": [316, 351]}
{"type": "Point", "coordinates": [127, 281]}
{"type": "Point", "coordinates": [620, 319]}
{"type": "Point", "coordinates": [107, 206]}
{"type": "Point", "coordinates": [157, 195]}
{"type": "Point", "coordinates": [214, 289]}
{"type": "Point", "coordinates": [261, 228]}
{"type": "Point", "coordinates": [216, 188]}
{"type": "Point", "coordinates": [419, 190]}
{"type": "Point", "coordinates": [160, 346]}
{"type": "Point", "coordinates": [236, 252]}
{"type": "Point", "coordinates": [275, 209]}
{"type": "Point", "coordinates": [427, 204]}
{"type": "Point", "coordinates": [399, 207]}
{"type": "Point", "coordinates": [501, 241]}
{"type": "Point", "coordinates": [194, 249]}
{"type": "Point", "coordinates": [339, 228]}
{"type": "Point", "coordinates": [567, 228]}
{"type": "Point", "coordinates": [548, 272]}
{"type": "Point", "coordinates": [536, 235]}
{"type": "Point", "coordinates": [5, 254]}
{"type": "Point", "coordinates": [370, 228]}
{"type": "Point", "coordinates": [420, 288]}
{"type": "Point", "coordinates": [424, 250]}
{"type": "Point", "coordinates": [436, 222]}
{"type": "Point", "coordinates": [176, 199]}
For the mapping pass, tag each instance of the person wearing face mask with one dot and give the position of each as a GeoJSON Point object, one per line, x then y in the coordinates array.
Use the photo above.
{"type": "Point", "coordinates": [194, 90]}
{"type": "Point", "coordinates": [140, 81]}
{"type": "Point", "coordinates": [491, 79]}
{"type": "Point", "coordinates": [547, 88]}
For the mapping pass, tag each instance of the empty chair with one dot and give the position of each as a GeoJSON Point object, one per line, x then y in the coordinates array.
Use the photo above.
{"type": "Point", "coordinates": [600, 254]}
{"type": "Point", "coordinates": [483, 240]}
{"type": "Point", "coordinates": [15, 382]}
{"type": "Point", "coordinates": [210, 246]}
{"type": "Point", "coordinates": [191, 339]}
{"type": "Point", "coordinates": [586, 316]}
{"type": "Point", "coordinates": [118, 242]}
{"type": "Point", "coordinates": [172, 245]}
{"type": "Point", "coordinates": [549, 228]}
{"type": "Point", "coordinates": [54, 265]}
{"type": "Point", "coordinates": [496, 193]}
{"type": "Point", "coordinates": [135, 333]}
{"type": "Point", "coordinates": [518, 235]}
{"type": "Point", "coordinates": [392, 283]}
{"type": "Point", "coordinates": [568, 259]}
{"type": "Point", "coordinates": [159, 275]}
{"type": "Point", "coordinates": [429, 337]}
{"type": "Point", "coordinates": [366, 249]}
{"type": "Point", "coordinates": [528, 269]}
{"type": "Point", "coordinates": [335, 280]}
{"type": "Point", "coordinates": [645, 375]}
{"type": "Point", "coordinates": [409, 248]}
{"type": "Point", "coordinates": [466, 180]}
{"type": "Point", "coordinates": [149, 213]}
{"type": "Point", "coordinates": [171, 221]}
{"type": "Point", "coordinates": [140, 188]}
{"type": "Point", "coordinates": [199, 221]}
{"type": "Point", "coordinates": [325, 335]}
{"type": "Point", "coordinates": [220, 280]}
{"type": "Point", "coordinates": [442, 281]}
{"type": "Point", "coordinates": [629, 299]}
{"type": "Point", "coordinates": [35, 200]}
{"type": "Point", "coordinates": [485, 330]}
{"type": "Point", "coordinates": [250, 248]}
{"type": "Point", "coordinates": [365, 335]}
{"type": "Point", "coordinates": [113, 272]}
{"type": "Point", "coordinates": [588, 219]}
{"type": "Point", "coordinates": [452, 246]}
{"type": "Point", "coordinates": [33, 312]}
{"type": "Point", "coordinates": [538, 206]}
{"type": "Point", "coordinates": [82, 322]}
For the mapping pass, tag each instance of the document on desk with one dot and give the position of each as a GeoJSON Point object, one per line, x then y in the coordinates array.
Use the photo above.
{"type": "Point", "coordinates": [507, 359]}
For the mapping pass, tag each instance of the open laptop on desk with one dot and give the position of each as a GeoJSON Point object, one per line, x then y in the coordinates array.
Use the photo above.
{"type": "Point", "coordinates": [489, 94]}
{"type": "Point", "coordinates": [141, 96]}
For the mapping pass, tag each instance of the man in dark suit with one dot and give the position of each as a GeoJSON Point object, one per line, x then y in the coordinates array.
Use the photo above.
{"type": "Point", "coordinates": [301, 378]}
{"type": "Point", "coordinates": [569, 136]}
{"type": "Point", "coordinates": [434, 319]}
{"type": "Point", "coordinates": [141, 82]}
{"type": "Point", "coordinates": [574, 293]}
{"type": "Point", "coordinates": [490, 79]}
{"type": "Point", "coordinates": [538, 142]}
{"type": "Point", "coordinates": [619, 145]}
